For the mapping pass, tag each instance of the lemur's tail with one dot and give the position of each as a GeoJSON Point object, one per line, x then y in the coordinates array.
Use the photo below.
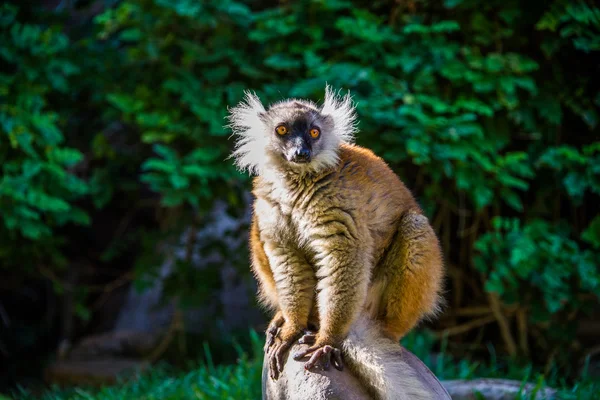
{"type": "Point", "coordinates": [377, 363]}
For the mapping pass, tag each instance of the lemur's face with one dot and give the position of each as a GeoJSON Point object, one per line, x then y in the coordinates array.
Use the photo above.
{"type": "Point", "coordinates": [298, 133]}
{"type": "Point", "coordinates": [291, 136]}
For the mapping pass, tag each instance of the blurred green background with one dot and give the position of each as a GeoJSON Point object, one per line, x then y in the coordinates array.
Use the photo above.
{"type": "Point", "coordinates": [113, 152]}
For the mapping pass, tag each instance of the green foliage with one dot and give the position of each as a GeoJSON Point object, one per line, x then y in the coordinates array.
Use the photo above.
{"type": "Point", "coordinates": [541, 261]}
{"type": "Point", "coordinates": [183, 180]}
{"type": "Point", "coordinates": [37, 189]}
{"type": "Point", "coordinates": [172, 96]}
{"type": "Point", "coordinates": [576, 22]}
{"type": "Point", "coordinates": [578, 170]}
{"type": "Point", "coordinates": [484, 109]}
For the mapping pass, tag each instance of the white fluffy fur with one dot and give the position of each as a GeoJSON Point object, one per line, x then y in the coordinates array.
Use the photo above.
{"type": "Point", "coordinates": [253, 138]}
{"type": "Point", "coordinates": [343, 112]}
{"type": "Point", "coordinates": [371, 357]}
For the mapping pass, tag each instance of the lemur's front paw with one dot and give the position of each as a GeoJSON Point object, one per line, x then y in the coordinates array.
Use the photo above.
{"type": "Point", "coordinates": [320, 350]}
{"type": "Point", "coordinates": [273, 330]}
{"type": "Point", "coordinates": [285, 338]}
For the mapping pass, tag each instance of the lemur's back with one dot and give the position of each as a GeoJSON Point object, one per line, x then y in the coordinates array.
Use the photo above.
{"type": "Point", "coordinates": [386, 199]}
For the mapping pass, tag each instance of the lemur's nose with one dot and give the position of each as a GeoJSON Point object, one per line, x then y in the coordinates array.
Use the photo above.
{"type": "Point", "coordinates": [303, 154]}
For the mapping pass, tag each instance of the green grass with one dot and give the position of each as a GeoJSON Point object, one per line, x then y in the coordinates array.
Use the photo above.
{"type": "Point", "coordinates": [242, 380]}
{"type": "Point", "coordinates": [239, 381]}
{"type": "Point", "coordinates": [446, 367]}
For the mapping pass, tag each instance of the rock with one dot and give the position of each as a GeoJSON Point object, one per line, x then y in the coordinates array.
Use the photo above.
{"type": "Point", "coordinates": [496, 389]}
{"type": "Point", "coordinates": [296, 383]}
{"type": "Point", "coordinates": [122, 343]}
{"type": "Point", "coordinates": [217, 243]}
{"type": "Point", "coordinates": [102, 359]}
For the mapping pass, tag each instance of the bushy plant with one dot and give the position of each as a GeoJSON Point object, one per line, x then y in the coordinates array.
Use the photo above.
{"type": "Point", "coordinates": [37, 188]}
{"type": "Point", "coordinates": [488, 111]}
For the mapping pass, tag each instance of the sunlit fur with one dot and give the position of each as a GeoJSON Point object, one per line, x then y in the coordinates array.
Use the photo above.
{"type": "Point", "coordinates": [339, 243]}
{"type": "Point", "coordinates": [376, 360]}
{"type": "Point", "coordinates": [253, 127]}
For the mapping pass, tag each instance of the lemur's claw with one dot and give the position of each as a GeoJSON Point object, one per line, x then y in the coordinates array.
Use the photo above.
{"type": "Point", "coordinates": [327, 353]}
{"type": "Point", "coordinates": [309, 337]}
{"type": "Point", "coordinates": [273, 331]}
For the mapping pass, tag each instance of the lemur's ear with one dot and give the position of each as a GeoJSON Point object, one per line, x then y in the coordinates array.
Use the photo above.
{"type": "Point", "coordinates": [247, 122]}
{"type": "Point", "coordinates": [244, 115]}
{"type": "Point", "coordinates": [342, 112]}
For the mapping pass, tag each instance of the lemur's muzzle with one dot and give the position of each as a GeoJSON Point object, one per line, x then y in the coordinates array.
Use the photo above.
{"type": "Point", "coordinates": [301, 156]}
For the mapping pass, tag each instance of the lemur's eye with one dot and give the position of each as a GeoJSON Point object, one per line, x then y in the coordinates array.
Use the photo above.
{"type": "Point", "coordinates": [281, 129]}
{"type": "Point", "coordinates": [314, 133]}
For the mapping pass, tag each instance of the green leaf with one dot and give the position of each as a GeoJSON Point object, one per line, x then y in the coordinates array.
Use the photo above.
{"type": "Point", "coordinates": [166, 152]}
{"type": "Point", "coordinates": [592, 233]}
{"type": "Point", "coordinates": [482, 196]}
{"type": "Point", "coordinates": [131, 34]}
{"type": "Point", "coordinates": [155, 164]}
{"type": "Point", "coordinates": [512, 199]}
{"type": "Point", "coordinates": [179, 181]}
{"type": "Point", "coordinates": [125, 103]}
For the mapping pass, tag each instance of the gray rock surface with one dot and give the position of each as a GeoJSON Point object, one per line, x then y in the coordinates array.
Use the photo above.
{"type": "Point", "coordinates": [296, 383]}
{"type": "Point", "coordinates": [232, 300]}
{"type": "Point", "coordinates": [497, 389]}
